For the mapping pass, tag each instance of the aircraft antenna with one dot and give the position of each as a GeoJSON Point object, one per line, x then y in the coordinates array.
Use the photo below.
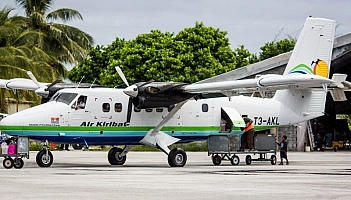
{"type": "Point", "coordinates": [92, 83]}
{"type": "Point", "coordinates": [80, 81]}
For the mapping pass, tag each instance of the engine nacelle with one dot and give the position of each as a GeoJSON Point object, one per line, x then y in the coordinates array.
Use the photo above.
{"type": "Point", "coordinates": [160, 94]}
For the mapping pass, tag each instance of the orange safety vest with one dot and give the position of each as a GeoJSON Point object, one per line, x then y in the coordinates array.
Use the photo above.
{"type": "Point", "coordinates": [249, 126]}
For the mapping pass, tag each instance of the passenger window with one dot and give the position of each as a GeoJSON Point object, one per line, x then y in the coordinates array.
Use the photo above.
{"type": "Point", "coordinates": [136, 109]}
{"type": "Point", "coordinates": [105, 107]}
{"type": "Point", "coordinates": [118, 107]}
{"type": "Point", "coordinates": [205, 107]}
{"type": "Point", "coordinates": [159, 109]}
{"type": "Point", "coordinates": [148, 109]}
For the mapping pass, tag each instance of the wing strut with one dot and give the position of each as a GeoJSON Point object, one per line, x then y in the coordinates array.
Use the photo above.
{"type": "Point", "coordinates": [160, 139]}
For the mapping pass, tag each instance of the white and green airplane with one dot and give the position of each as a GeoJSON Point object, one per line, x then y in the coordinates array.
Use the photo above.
{"type": "Point", "coordinates": [159, 114]}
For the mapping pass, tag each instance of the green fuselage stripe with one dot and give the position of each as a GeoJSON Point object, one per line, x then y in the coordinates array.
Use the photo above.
{"type": "Point", "coordinates": [122, 128]}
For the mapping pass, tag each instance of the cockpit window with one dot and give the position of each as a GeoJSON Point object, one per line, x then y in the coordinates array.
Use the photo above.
{"type": "Point", "coordinates": [66, 98]}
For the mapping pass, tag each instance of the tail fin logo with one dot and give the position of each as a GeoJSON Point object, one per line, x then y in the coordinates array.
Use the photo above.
{"type": "Point", "coordinates": [320, 67]}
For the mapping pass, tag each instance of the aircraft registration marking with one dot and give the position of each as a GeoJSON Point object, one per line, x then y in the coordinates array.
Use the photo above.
{"type": "Point", "coordinates": [266, 121]}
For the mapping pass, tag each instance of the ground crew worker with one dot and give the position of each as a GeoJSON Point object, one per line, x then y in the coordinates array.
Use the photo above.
{"type": "Point", "coordinates": [248, 135]}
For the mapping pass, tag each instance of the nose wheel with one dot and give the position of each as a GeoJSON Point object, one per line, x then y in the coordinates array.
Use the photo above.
{"type": "Point", "coordinates": [44, 158]}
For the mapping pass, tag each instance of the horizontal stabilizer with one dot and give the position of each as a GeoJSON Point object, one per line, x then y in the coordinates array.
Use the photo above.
{"type": "Point", "coordinates": [339, 79]}
{"type": "Point", "coordinates": [338, 94]}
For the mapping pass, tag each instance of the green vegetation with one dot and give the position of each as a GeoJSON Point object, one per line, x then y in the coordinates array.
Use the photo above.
{"type": "Point", "coordinates": [36, 42]}
{"type": "Point", "coordinates": [35, 146]}
{"type": "Point", "coordinates": [191, 55]}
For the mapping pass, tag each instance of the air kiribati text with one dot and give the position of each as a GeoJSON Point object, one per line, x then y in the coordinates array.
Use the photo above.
{"type": "Point", "coordinates": [105, 124]}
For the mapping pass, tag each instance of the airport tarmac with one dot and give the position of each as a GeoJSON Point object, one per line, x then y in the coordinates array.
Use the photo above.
{"type": "Point", "coordinates": [146, 175]}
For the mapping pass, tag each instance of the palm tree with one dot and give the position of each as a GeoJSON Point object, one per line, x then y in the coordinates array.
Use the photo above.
{"type": "Point", "coordinates": [38, 44]}
{"type": "Point", "coordinates": [17, 58]}
{"type": "Point", "coordinates": [66, 43]}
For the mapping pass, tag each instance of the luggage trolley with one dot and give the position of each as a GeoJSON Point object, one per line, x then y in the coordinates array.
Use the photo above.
{"type": "Point", "coordinates": [221, 146]}
{"type": "Point", "coordinates": [21, 150]}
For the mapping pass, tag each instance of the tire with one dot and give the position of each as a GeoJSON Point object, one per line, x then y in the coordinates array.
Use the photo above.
{"type": "Point", "coordinates": [114, 158]}
{"type": "Point", "coordinates": [273, 159]}
{"type": "Point", "coordinates": [77, 146]}
{"type": "Point", "coordinates": [216, 159]}
{"type": "Point", "coordinates": [235, 160]}
{"type": "Point", "coordinates": [177, 157]}
{"type": "Point", "coordinates": [248, 160]}
{"type": "Point", "coordinates": [8, 163]}
{"type": "Point", "coordinates": [18, 163]}
{"type": "Point", "coordinates": [336, 148]}
{"type": "Point", "coordinates": [44, 160]}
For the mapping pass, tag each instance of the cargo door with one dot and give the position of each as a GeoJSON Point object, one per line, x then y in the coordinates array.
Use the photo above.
{"type": "Point", "coordinates": [232, 119]}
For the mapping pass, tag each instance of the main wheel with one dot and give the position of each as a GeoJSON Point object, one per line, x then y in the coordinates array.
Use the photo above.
{"type": "Point", "coordinates": [43, 159]}
{"type": "Point", "coordinates": [216, 159]}
{"type": "Point", "coordinates": [336, 148]}
{"type": "Point", "coordinates": [18, 164]}
{"type": "Point", "coordinates": [248, 160]}
{"type": "Point", "coordinates": [273, 159]}
{"type": "Point", "coordinates": [77, 146]}
{"type": "Point", "coordinates": [177, 157]}
{"type": "Point", "coordinates": [114, 157]}
{"type": "Point", "coordinates": [235, 160]}
{"type": "Point", "coordinates": [8, 163]}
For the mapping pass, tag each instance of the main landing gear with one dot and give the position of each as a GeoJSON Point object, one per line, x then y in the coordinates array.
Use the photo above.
{"type": "Point", "coordinates": [115, 156]}
{"type": "Point", "coordinates": [177, 157]}
{"type": "Point", "coordinates": [118, 156]}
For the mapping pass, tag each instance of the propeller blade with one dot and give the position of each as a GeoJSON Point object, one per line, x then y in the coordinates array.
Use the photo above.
{"type": "Point", "coordinates": [120, 73]}
{"type": "Point", "coordinates": [52, 84]}
{"type": "Point", "coordinates": [31, 76]}
{"type": "Point", "coordinates": [150, 81]}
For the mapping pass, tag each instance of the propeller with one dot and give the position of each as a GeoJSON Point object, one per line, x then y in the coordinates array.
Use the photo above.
{"type": "Point", "coordinates": [52, 84]}
{"type": "Point", "coordinates": [31, 76]}
{"type": "Point", "coordinates": [132, 90]}
{"type": "Point", "coordinates": [42, 90]}
{"type": "Point", "coordinates": [120, 73]}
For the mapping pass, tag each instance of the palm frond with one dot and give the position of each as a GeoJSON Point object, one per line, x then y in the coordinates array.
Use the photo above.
{"type": "Point", "coordinates": [64, 14]}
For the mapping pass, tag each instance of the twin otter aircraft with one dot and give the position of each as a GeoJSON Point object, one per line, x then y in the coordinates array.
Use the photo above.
{"type": "Point", "coordinates": [159, 114]}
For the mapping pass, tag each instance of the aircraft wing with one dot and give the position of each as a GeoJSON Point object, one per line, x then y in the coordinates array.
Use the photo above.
{"type": "Point", "coordinates": [20, 83]}
{"type": "Point", "coordinates": [266, 82]}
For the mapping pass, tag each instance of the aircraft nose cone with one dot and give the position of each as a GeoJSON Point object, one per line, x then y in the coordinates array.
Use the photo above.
{"type": "Point", "coordinates": [131, 91]}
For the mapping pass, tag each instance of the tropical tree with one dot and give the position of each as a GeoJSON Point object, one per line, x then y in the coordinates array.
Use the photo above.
{"type": "Point", "coordinates": [36, 43]}
{"type": "Point", "coordinates": [16, 58]}
{"type": "Point", "coordinates": [274, 48]}
{"type": "Point", "coordinates": [189, 56]}
{"type": "Point", "coordinates": [65, 43]}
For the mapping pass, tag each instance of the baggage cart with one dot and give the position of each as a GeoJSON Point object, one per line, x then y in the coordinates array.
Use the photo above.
{"type": "Point", "coordinates": [14, 158]}
{"type": "Point", "coordinates": [226, 147]}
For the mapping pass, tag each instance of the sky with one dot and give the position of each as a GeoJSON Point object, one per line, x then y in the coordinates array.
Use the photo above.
{"type": "Point", "coordinates": [251, 23]}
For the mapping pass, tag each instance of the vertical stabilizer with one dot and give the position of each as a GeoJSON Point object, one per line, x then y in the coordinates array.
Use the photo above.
{"type": "Point", "coordinates": [311, 55]}
{"type": "Point", "coordinates": [313, 49]}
